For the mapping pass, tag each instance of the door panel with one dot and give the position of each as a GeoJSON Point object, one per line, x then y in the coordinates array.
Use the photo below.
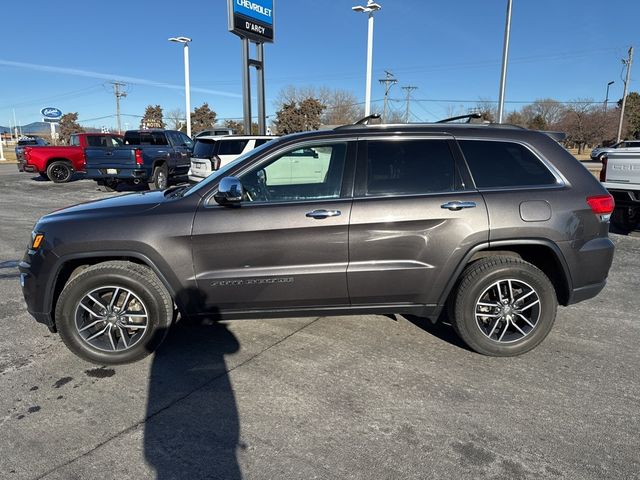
{"type": "Point", "coordinates": [404, 249]}
{"type": "Point", "coordinates": [270, 256]}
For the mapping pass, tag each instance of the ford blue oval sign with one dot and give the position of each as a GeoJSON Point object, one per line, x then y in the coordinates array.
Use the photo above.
{"type": "Point", "coordinates": [51, 112]}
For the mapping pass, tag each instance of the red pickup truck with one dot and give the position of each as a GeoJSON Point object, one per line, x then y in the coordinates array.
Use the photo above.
{"type": "Point", "coordinates": [59, 163]}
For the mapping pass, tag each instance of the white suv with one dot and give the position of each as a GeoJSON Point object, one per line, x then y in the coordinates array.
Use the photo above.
{"type": "Point", "coordinates": [212, 152]}
{"type": "Point", "coordinates": [628, 146]}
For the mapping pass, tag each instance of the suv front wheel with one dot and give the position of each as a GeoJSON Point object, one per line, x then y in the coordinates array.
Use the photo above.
{"type": "Point", "coordinates": [504, 306]}
{"type": "Point", "coordinates": [114, 312]}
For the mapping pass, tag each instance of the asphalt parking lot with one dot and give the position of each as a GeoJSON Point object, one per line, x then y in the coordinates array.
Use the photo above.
{"type": "Point", "coordinates": [362, 397]}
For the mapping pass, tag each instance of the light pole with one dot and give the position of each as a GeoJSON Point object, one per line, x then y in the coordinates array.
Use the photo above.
{"type": "Point", "coordinates": [2, 159]}
{"type": "Point", "coordinates": [370, 8]}
{"type": "Point", "coordinates": [187, 89]}
{"type": "Point", "coordinates": [505, 59]}
{"type": "Point", "coordinates": [606, 98]}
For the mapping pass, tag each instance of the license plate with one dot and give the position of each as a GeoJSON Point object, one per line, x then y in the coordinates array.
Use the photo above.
{"type": "Point", "coordinates": [112, 171]}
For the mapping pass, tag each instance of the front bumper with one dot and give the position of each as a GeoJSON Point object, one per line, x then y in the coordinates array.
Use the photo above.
{"type": "Point", "coordinates": [36, 270]}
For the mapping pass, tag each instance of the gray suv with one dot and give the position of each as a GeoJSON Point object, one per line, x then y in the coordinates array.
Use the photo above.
{"type": "Point", "coordinates": [490, 226]}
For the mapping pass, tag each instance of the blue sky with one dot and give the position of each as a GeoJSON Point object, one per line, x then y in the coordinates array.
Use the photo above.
{"type": "Point", "coordinates": [67, 52]}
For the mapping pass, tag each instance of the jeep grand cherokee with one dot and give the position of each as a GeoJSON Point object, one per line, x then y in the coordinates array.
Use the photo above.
{"type": "Point", "coordinates": [493, 226]}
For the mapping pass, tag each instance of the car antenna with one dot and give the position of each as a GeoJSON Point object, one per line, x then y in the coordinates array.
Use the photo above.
{"type": "Point", "coordinates": [460, 117]}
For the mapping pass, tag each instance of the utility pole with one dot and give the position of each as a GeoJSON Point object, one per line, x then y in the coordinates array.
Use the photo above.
{"type": "Point", "coordinates": [118, 93]}
{"type": "Point", "coordinates": [628, 63]}
{"type": "Point", "coordinates": [388, 82]}
{"type": "Point", "coordinates": [409, 89]}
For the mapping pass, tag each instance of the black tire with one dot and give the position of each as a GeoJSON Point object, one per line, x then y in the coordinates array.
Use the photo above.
{"type": "Point", "coordinates": [159, 178]}
{"type": "Point", "coordinates": [108, 185]}
{"type": "Point", "coordinates": [60, 171]}
{"type": "Point", "coordinates": [483, 279]}
{"type": "Point", "coordinates": [44, 176]}
{"type": "Point", "coordinates": [146, 291]}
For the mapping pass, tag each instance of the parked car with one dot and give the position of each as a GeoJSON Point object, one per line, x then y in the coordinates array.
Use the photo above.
{"type": "Point", "coordinates": [493, 225]}
{"type": "Point", "coordinates": [624, 146]}
{"type": "Point", "coordinates": [214, 132]}
{"type": "Point", "coordinates": [620, 175]}
{"type": "Point", "coordinates": [211, 153]}
{"type": "Point", "coordinates": [59, 163]}
{"type": "Point", "coordinates": [149, 156]}
{"type": "Point", "coordinates": [28, 141]}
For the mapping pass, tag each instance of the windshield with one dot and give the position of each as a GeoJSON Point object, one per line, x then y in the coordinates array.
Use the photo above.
{"type": "Point", "coordinates": [222, 172]}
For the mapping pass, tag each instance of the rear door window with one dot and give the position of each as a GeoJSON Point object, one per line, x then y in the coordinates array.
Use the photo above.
{"type": "Point", "coordinates": [409, 167]}
{"type": "Point", "coordinates": [98, 141]}
{"type": "Point", "coordinates": [496, 164]}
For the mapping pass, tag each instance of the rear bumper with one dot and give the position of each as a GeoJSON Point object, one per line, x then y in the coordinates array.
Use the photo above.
{"type": "Point", "coordinates": [624, 197]}
{"type": "Point", "coordinates": [121, 173]}
{"type": "Point", "coordinates": [585, 293]}
{"type": "Point", "coordinates": [589, 267]}
{"type": "Point", "coordinates": [23, 166]}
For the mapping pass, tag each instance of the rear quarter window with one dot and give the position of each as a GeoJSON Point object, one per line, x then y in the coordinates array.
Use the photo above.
{"type": "Point", "coordinates": [496, 164]}
{"type": "Point", "coordinates": [231, 147]}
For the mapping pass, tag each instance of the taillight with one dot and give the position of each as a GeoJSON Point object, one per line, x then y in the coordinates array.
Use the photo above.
{"type": "Point", "coordinates": [603, 170]}
{"type": "Point", "coordinates": [139, 159]}
{"type": "Point", "coordinates": [215, 162]}
{"type": "Point", "coordinates": [601, 204]}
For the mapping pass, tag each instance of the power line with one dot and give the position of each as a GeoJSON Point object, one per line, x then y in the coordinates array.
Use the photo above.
{"type": "Point", "coordinates": [388, 81]}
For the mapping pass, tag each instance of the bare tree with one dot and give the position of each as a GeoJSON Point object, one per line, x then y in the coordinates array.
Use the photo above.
{"type": "Point", "coordinates": [340, 106]}
{"type": "Point", "coordinates": [583, 123]}
{"type": "Point", "coordinates": [176, 118]}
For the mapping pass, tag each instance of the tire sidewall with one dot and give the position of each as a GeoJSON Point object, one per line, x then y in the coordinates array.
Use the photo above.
{"type": "Point", "coordinates": [158, 173]}
{"type": "Point", "coordinates": [74, 292]}
{"type": "Point", "coordinates": [55, 165]}
{"type": "Point", "coordinates": [523, 272]}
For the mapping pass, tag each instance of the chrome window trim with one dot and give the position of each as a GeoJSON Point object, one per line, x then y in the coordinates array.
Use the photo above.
{"type": "Point", "coordinates": [561, 180]}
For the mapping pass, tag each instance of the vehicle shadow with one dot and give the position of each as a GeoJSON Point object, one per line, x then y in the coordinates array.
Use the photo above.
{"type": "Point", "coordinates": [441, 329]}
{"type": "Point", "coordinates": [74, 178]}
{"type": "Point", "coordinates": [192, 428]}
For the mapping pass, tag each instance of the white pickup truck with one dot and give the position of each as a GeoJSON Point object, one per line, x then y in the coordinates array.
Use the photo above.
{"type": "Point", "coordinates": [620, 175]}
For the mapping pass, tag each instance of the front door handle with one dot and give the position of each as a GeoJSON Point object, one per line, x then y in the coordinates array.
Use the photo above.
{"type": "Point", "coordinates": [456, 205]}
{"type": "Point", "coordinates": [319, 214]}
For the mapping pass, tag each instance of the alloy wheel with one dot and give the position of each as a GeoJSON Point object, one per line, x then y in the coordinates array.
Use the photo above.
{"type": "Point", "coordinates": [508, 311]}
{"type": "Point", "coordinates": [111, 318]}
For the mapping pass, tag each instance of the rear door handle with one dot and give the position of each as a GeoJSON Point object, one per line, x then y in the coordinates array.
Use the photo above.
{"type": "Point", "coordinates": [319, 214]}
{"type": "Point", "coordinates": [456, 205]}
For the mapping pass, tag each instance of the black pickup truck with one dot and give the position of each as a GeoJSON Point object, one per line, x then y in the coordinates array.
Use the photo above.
{"type": "Point", "coordinates": [148, 156]}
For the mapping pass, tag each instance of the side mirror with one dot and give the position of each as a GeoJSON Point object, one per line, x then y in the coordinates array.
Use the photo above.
{"type": "Point", "coordinates": [229, 192]}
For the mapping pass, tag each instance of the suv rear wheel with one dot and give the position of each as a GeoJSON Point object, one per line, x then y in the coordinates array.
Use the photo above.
{"type": "Point", "coordinates": [504, 306]}
{"type": "Point", "coordinates": [114, 312]}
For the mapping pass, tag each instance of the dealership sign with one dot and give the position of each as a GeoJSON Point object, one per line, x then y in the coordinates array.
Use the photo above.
{"type": "Point", "coordinates": [51, 113]}
{"type": "Point", "coordinates": [252, 19]}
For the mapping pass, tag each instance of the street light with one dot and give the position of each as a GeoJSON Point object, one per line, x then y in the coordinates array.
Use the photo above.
{"type": "Point", "coordinates": [606, 98]}
{"type": "Point", "coordinates": [505, 60]}
{"type": "Point", "coordinates": [370, 8]}
{"type": "Point", "coordinates": [187, 89]}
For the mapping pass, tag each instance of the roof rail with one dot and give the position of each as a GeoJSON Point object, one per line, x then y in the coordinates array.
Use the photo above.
{"type": "Point", "coordinates": [460, 117]}
{"type": "Point", "coordinates": [362, 121]}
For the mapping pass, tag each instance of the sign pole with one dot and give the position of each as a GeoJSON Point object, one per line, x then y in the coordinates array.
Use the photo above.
{"type": "Point", "coordinates": [262, 120]}
{"type": "Point", "coordinates": [246, 87]}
